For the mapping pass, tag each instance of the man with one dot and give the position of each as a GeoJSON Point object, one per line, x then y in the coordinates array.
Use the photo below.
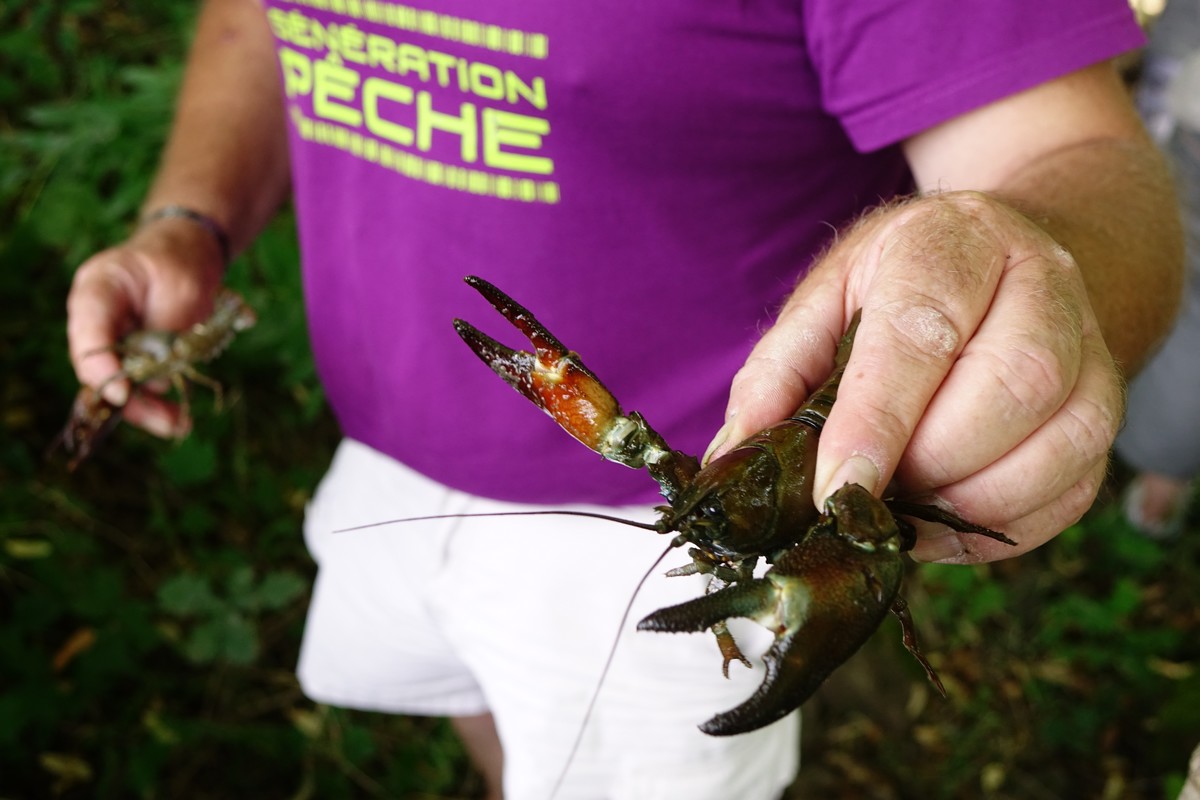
{"type": "Point", "coordinates": [651, 180]}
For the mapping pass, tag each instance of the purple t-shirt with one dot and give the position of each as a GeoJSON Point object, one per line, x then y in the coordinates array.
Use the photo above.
{"type": "Point", "coordinates": [650, 179]}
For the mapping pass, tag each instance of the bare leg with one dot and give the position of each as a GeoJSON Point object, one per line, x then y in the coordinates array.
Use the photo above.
{"type": "Point", "coordinates": [478, 734]}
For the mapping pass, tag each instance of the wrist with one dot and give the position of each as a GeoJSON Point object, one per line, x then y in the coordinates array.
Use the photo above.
{"type": "Point", "coordinates": [189, 216]}
{"type": "Point", "coordinates": [177, 249]}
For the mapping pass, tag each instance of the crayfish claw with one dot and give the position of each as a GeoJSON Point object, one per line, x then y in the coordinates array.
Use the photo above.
{"type": "Point", "coordinates": [552, 377]}
{"type": "Point", "coordinates": [745, 599]}
{"type": "Point", "coordinates": [771, 601]}
{"type": "Point", "coordinates": [555, 380]}
{"type": "Point", "coordinates": [546, 344]}
{"type": "Point", "coordinates": [515, 367]}
{"type": "Point", "coordinates": [822, 599]}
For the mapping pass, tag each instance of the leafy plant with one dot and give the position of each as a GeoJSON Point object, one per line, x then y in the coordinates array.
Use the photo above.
{"type": "Point", "coordinates": [224, 629]}
{"type": "Point", "coordinates": [151, 602]}
{"type": "Point", "coordinates": [1071, 672]}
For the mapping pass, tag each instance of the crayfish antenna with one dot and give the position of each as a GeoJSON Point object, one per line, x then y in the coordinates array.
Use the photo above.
{"type": "Point", "coordinates": [646, 526]}
{"type": "Point", "coordinates": [612, 652]}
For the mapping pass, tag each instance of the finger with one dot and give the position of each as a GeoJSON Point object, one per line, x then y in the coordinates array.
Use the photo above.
{"type": "Point", "coordinates": [925, 288]}
{"type": "Point", "coordinates": [792, 358]}
{"type": "Point", "coordinates": [944, 546]}
{"type": "Point", "coordinates": [1013, 375]}
{"type": "Point", "coordinates": [796, 354]}
{"type": "Point", "coordinates": [939, 267]}
{"type": "Point", "coordinates": [1074, 440]}
{"type": "Point", "coordinates": [99, 311]}
{"type": "Point", "coordinates": [157, 416]}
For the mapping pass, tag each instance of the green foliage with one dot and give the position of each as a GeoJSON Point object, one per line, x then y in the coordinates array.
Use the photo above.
{"type": "Point", "coordinates": [226, 629]}
{"type": "Point", "coordinates": [1071, 672]}
{"type": "Point", "coordinates": [151, 602]}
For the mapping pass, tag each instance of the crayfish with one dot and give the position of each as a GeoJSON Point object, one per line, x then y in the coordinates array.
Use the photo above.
{"type": "Point", "coordinates": [835, 573]}
{"type": "Point", "coordinates": [154, 355]}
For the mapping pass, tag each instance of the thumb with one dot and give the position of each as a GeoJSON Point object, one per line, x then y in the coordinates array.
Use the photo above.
{"type": "Point", "coordinates": [790, 360]}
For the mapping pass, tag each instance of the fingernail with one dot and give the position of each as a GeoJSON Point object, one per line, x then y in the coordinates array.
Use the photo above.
{"type": "Point", "coordinates": [159, 425]}
{"type": "Point", "coordinates": [116, 392]}
{"type": "Point", "coordinates": [718, 440]}
{"type": "Point", "coordinates": [945, 548]}
{"type": "Point", "coordinates": [855, 469]}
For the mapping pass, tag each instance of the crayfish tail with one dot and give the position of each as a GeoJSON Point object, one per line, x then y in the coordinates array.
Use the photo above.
{"type": "Point", "coordinates": [91, 420]}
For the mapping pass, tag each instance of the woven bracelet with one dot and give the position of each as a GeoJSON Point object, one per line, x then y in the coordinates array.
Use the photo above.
{"type": "Point", "coordinates": [203, 220]}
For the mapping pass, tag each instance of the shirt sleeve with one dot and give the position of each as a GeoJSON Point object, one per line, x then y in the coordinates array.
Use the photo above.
{"type": "Point", "coordinates": [888, 69]}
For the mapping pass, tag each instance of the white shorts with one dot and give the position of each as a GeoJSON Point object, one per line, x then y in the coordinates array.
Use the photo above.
{"type": "Point", "coordinates": [516, 615]}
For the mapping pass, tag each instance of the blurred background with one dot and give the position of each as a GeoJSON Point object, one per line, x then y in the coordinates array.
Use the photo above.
{"type": "Point", "coordinates": [151, 601]}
